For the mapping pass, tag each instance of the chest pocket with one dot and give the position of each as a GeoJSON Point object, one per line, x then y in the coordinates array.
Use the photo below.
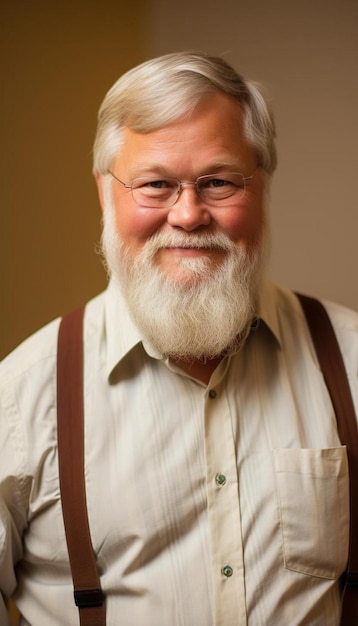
{"type": "Point", "coordinates": [313, 497]}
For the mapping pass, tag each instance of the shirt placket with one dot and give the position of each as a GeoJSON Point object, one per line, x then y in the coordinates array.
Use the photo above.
{"type": "Point", "coordinates": [224, 511]}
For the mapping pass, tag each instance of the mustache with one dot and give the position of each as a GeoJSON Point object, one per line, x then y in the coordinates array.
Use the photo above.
{"type": "Point", "coordinates": [211, 241]}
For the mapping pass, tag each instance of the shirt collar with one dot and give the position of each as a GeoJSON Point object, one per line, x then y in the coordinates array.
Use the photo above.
{"type": "Point", "coordinates": [122, 335]}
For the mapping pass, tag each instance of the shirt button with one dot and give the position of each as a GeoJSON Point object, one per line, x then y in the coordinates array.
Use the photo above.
{"type": "Point", "coordinates": [220, 479]}
{"type": "Point", "coordinates": [212, 394]}
{"type": "Point", "coordinates": [227, 571]}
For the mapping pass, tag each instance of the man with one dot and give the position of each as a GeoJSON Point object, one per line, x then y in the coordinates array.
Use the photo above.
{"type": "Point", "coordinates": [217, 486]}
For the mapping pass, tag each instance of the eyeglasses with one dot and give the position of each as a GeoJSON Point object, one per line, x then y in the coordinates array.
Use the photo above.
{"type": "Point", "coordinates": [159, 193]}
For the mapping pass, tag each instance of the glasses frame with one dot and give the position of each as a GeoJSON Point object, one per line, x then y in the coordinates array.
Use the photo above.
{"type": "Point", "coordinates": [182, 184]}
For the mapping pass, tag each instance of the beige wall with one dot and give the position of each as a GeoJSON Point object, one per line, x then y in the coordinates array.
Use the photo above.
{"type": "Point", "coordinates": [58, 61]}
{"type": "Point", "coordinates": [306, 53]}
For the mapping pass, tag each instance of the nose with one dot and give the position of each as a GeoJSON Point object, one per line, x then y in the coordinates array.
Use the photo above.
{"type": "Point", "coordinates": [189, 211]}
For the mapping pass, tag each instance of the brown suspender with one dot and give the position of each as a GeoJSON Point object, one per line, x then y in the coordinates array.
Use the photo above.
{"type": "Point", "coordinates": [70, 425]}
{"type": "Point", "coordinates": [87, 590]}
{"type": "Point", "coordinates": [335, 376]}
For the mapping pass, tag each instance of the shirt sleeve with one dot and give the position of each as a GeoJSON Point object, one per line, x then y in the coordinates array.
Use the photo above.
{"type": "Point", "coordinates": [14, 492]}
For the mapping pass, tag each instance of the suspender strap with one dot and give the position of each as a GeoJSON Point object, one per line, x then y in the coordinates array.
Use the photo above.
{"type": "Point", "coordinates": [333, 369]}
{"type": "Point", "coordinates": [70, 423]}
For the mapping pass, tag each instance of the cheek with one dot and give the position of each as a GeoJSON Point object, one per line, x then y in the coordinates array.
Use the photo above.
{"type": "Point", "coordinates": [242, 224]}
{"type": "Point", "coordinates": [135, 225]}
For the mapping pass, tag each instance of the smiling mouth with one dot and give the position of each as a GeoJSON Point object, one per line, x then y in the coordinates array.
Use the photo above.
{"type": "Point", "coordinates": [194, 247]}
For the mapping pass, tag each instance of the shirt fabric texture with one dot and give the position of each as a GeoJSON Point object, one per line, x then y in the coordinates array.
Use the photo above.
{"type": "Point", "coordinates": [224, 504]}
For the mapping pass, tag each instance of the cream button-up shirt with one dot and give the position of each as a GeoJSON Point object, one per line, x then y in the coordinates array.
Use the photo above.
{"type": "Point", "coordinates": [221, 505]}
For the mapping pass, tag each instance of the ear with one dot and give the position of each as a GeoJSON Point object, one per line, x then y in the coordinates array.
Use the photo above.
{"type": "Point", "coordinates": [99, 183]}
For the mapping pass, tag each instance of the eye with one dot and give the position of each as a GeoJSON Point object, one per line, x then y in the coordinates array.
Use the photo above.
{"type": "Point", "coordinates": [153, 189]}
{"type": "Point", "coordinates": [219, 182]}
{"type": "Point", "coordinates": [216, 188]}
{"type": "Point", "coordinates": [156, 184]}
{"type": "Point", "coordinates": [152, 184]}
{"type": "Point", "coordinates": [222, 182]}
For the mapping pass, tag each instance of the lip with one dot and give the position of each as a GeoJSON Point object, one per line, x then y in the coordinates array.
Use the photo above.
{"type": "Point", "coordinates": [190, 252]}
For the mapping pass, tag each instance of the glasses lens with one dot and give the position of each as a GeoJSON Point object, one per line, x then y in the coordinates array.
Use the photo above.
{"type": "Point", "coordinates": [216, 188]}
{"type": "Point", "coordinates": [155, 193]}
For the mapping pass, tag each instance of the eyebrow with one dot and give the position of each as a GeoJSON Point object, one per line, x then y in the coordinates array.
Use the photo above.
{"type": "Point", "coordinates": [232, 165]}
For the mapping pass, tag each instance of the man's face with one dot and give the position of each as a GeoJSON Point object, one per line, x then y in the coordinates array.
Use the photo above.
{"type": "Point", "coordinates": [210, 141]}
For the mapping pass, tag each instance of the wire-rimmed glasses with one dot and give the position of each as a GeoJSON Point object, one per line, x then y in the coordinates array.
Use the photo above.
{"type": "Point", "coordinates": [163, 192]}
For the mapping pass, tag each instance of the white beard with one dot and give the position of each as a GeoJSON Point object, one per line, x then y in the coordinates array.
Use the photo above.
{"type": "Point", "coordinates": [205, 314]}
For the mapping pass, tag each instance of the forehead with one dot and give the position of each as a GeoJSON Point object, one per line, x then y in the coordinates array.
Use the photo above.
{"type": "Point", "coordinates": [212, 134]}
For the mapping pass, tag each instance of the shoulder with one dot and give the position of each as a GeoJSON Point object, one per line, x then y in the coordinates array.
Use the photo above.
{"type": "Point", "coordinates": [344, 320]}
{"type": "Point", "coordinates": [291, 327]}
{"type": "Point", "coordinates": [37, 349]}
{"type": "Point", "coordinates": [32, 364]}
{"type": "Point", "coordinates": [281, 310]}
{"type": "Point", "coordinates": [345, 324]}
{"type": "Point", "coordinates": [286, 303]}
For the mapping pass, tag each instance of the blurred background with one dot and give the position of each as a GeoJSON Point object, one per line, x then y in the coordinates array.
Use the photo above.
{"type": "Point", "coordinates": [57, 62]}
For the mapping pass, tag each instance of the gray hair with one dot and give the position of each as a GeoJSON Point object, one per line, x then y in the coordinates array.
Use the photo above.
{"type": "Point", "coordinates": [162, 90]}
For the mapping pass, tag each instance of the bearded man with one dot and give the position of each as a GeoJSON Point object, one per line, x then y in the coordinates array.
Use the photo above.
{"type": "Point", "coordinates": [207, 421]}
